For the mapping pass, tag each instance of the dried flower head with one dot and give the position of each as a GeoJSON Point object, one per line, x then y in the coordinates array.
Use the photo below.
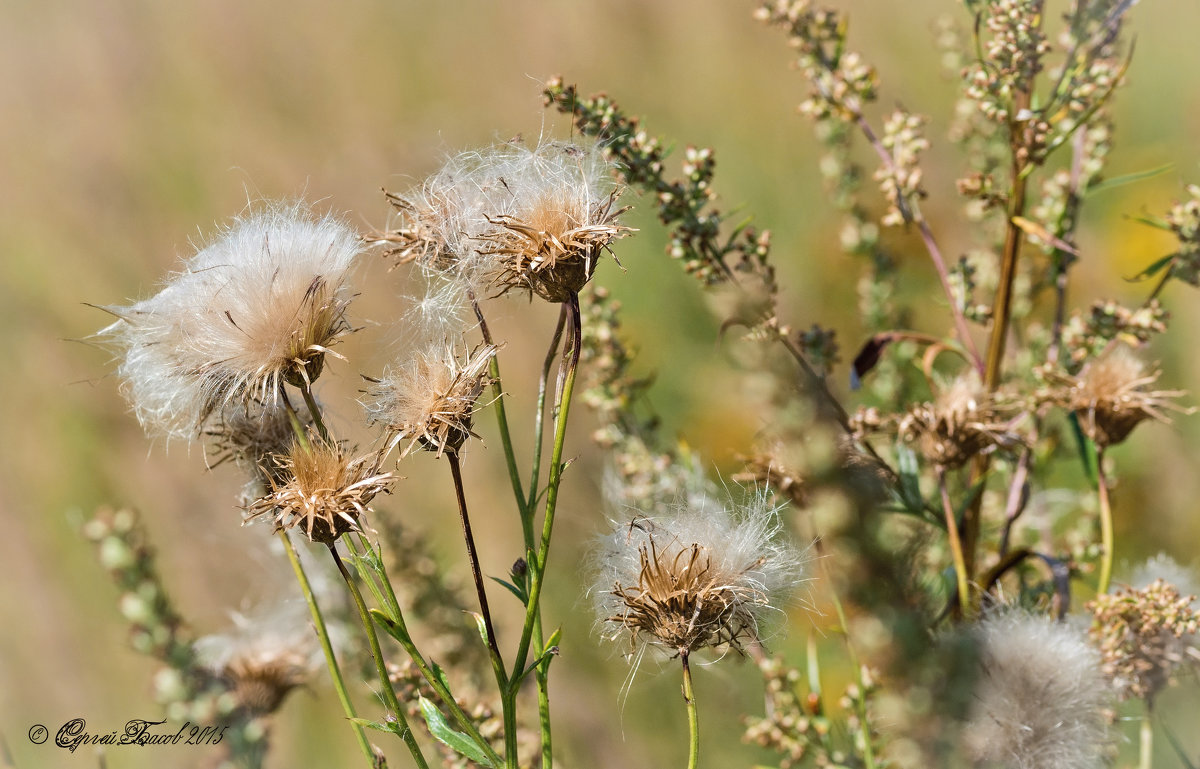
{"type": "Point", "coordinates": [1144, 636]}
{"type": "Point", "coordinates": [559, 220]}
{"type": "Point", "coordinates": [258, 307]}
{"type": "Point", "coordinates": [322, 493]}
{"type": "Point", "coordinates": [699, 576]}
{"type": "Point", "coordinates": [963, 421]}
{"type": "Point", "coordinates": [255, 436]}
{"type": "Point", "coordinates": [1111, 396]}
{"type": "Point", "coordinates": [512, 217]}
{"type": "Point", "coordinates": [429, 399]}
{"type": "Point", "coordinates": [1040, 699]}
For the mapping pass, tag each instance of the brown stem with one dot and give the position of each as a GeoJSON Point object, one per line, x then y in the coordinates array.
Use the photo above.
{"type": "Point", "coordinates": [473, 556]}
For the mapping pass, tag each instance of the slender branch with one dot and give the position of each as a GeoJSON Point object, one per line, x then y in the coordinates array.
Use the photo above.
{"type": "Point", "coordinates": [956, 547]}
{"type": "Point", "coordinates": [476, 572]}
{"type": "Point", "coordinates": [385, 681]}
{"type": "Point", "coordinates": [510, 457]}
{"type": "Point", "coordinates": [1106, 525]}
{"type": "Point", "coordinates": [1146, 741]}
{"type": "Point", "coordinates": [689, 698]}
{"type": "Point", "coordinates": [314, 409]}
{"type": "Point", "coordinates": [335, 673]}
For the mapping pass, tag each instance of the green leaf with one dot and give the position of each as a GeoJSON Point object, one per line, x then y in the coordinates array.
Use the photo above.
{"type": "Point", "coordinates": [910, 480]}
{"type": "Point", "coordinates": [1159, 224]}
{"type": "Point", "coordinates": [552, 642]}
{"type": "Point", "coordinates": [367, 723]}
{"type": "Point", "coordinates": [441, 675]}
{"type": "Point", "coordinates": [481, 625]}
{"type": "Point", "coordinates": [518, 592]}
{"type": "Point", "coordinates": [456, 741]}
{"type": "Point", "coordinates": [386, 623]}
{"type": "Point", "coordinates": [1155, 267]}
{"type": "Point", "coordinates": [1120, 181]}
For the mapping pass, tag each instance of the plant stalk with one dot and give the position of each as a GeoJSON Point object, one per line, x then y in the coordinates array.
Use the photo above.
{"type": "Point", "coordinates": [689, 698]}
{"type": "Point", "coordinates": [1106, 526]}
{"type": "Point", "coordinates": [961, 578]}
{"type": "Point", "coordinates": [385, 681]}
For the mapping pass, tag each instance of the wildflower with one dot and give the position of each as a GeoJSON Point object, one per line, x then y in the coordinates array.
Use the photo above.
{"type": "Point", "coordinates": [699, 576]}
{"type": "Point", "coordinates": [430, 399]}
{"type": "Point", "coordinates": [255, 436]}
{"type": "Point", "coordinates": [258, 307]}
{"type": "Point", "coordinates": [1040, 699]}
{"type": "Point", "coordinates": [322, 493]}
{"type": "Point", "coordinates": [1144, 636]}
{"type": "Point", "coordinates": [1111, 396]}
{"type": "Point", "coordinates": [963, 421]}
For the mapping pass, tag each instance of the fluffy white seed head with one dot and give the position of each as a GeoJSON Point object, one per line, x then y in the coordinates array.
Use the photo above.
{"type": "Point", "coordinates": [1040, 697]}
{"type": "Point", "coordinates": [511, 217]}
{"type": "Point", "coordinates": [259, 306]}
{"type": "Point", "coordinates": [703, 573]}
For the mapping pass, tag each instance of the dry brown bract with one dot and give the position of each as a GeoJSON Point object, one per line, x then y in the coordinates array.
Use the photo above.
{"type": "Point", "coordinates": [551, 249]}
{"type": "Point", "coordinates": [261, 681]}
{"type": "Point", "coordinates": [1111, 396]}
{"type": "Point", "coordinates": [323, 493]}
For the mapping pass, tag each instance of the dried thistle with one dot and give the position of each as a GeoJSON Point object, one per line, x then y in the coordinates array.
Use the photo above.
{"type": "Point", "coordinates": [1144, 637]}
{"type": "Point", "coordinates": [964, 420]}
{"type": "Point", "coordinates": [258, 307]}
{"type": "Point", "coordinates": [429, 399]}
{"type": "Point", "coordinates": [255, 436]}
{"type": "Point", "coordinates": [1040, 699]}
{"type": "Point", "coordinates": [701, 576]}
{"type": "Point", "coordinates": [324, 494]}
{"type": "Point", "coordinates": [1111, 396]}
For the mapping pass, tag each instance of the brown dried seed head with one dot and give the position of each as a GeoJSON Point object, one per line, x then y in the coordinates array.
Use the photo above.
{"type": "Point", "coordinates": [261, 681]}
{"type": "Point", "coordinates": [430, 399]}
{"type": "Point", "coordinates": [323, 494]}
{"type": "Point", "coordinates": [965, 420]}
{"type": "Point", "coordinates": [1111, 396]}
{"type": "Point", "coordinates": [551, 247]}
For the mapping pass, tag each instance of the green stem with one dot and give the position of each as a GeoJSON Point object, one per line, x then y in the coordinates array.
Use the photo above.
{"type": "Point", "coordinates": [314, 409]}
{"type": "Point", "coordinates": [510, 456]}
{"type": "Point", "coordinates": [1106, 526]}
{"type": "Point", "coordinates": [538, 566]}
{"type": "Point", "coordinates": [956, 547]}
{"type": "Point", "coordinates": [389, 693]}
{"type": "Point", "coordinates": [689, 698]}
{"type": "Point", "coordinates": [339, 685]}
{"type": "Point", "coordinates": [1146, 741]}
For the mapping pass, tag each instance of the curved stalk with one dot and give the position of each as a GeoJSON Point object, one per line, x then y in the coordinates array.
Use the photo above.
{"type": "Point", "coordinates": [1146, 741]}
{"type": "Point", "coordinates": [689, 698]}
{"type": "Point", "coordinates": [335, 673]}
{"type": "Point", "coordinates": [1106, 526]}
{"type": "Point", "coordinates": [385, 681]}
{"type": "Point", "coordinates": [956, 547]}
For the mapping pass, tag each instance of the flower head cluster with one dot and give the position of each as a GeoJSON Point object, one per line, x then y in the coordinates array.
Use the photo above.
{"type": "Point", "coordinates": [700, 575]}
{"type": "Point", "coordinates": [258, 307]}
{"type": "Point", "coordinates": [1040, 699]}
{"type": "Point", "coordinates": [1112, 395]}
{"type": "Point", "coordinates": [512, 218]}
{"type": "Point", "coordinates": [256, 436]}
{"type": "Point", "coordinates": [1145, 636]}
{"type": "Point", "coordinates": [429, 399]}
{"type": "Point", "coordinates": [321, 492]}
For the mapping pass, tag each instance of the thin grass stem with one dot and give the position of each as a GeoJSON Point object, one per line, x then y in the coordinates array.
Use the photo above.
{"type": "Point", "coordinates": [1106, 526]}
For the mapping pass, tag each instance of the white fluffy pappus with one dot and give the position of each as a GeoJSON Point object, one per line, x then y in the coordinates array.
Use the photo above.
{"type": "Point", "coordinates": [1040, 697]}
{"type": "Point", "coordinates": [703, 573]}
{"type": "Point", "coordinates": [259, 306]}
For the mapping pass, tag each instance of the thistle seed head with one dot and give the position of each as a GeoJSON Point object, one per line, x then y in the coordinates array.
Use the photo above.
{"type": "Point", "coordinates": [1040, 699]}
{"type": "Point", "coordinates": [429, 400]}
{"type": "Point", "coordinates": [258, 307]}
{"type": "Point", "coordinates": [1112, 395]}
{"type": "Point", "coordinates": [699, 576]}
{"type": "Point", "coordinates": [963, 421]}
{"type": "Point", "coordinates": [322, 493]}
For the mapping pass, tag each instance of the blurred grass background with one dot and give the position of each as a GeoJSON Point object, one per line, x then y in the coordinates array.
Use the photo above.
{"type": "Point", "coordinates": [128, 128]}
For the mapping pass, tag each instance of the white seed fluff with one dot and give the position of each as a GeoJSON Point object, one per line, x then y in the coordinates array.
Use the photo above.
{"type": "Point", "coordinates": [1040, 698]}
{"type": "Point", "coordinates": [260, 305]}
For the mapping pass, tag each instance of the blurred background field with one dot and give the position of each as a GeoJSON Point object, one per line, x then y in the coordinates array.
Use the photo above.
{"type": "Point", "coordinates": [128, 129]}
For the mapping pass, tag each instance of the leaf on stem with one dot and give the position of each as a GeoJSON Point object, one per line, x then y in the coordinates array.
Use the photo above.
{"type": "Point", "coordinates": [455, 740]}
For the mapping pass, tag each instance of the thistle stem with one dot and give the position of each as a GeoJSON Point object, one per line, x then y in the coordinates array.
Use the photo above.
{"type": "Point", "coordinates": [1146, 741]}
{"type": "Point", "coordinates": [510, 456]}
{"type": "Point", "coordinates": [537, 565]}
{"type": "Point", "coordinates": [1106, 525]}
{"type": "Point", "coordinates": [476, 572]}
{"type": "Point", "coordinates": [956, 547]}
{"type": "Point", "coordinates": [385, 681]}
{"type": "Point", "coordinates": [689, 698]}
{"type": "Point", "coordinates": [314, 410]}
{"type": "Point", "coordinates": [335, 673]}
